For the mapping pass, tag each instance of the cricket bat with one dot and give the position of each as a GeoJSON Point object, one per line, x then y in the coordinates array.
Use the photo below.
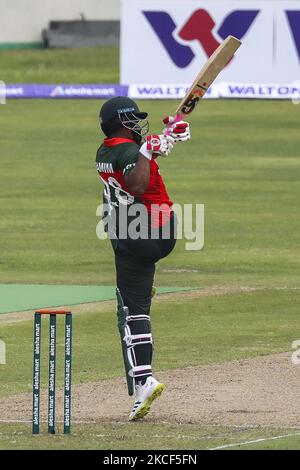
{"type": "Point", "coordinates": [207, 75]}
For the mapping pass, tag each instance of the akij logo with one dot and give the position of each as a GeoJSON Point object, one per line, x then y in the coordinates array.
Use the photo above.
{"type": "Point", "coordinates": [199, 27]}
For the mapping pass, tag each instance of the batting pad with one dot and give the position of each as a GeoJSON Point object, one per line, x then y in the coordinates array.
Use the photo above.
{"type": "Point", "coordinates": [20, 297]}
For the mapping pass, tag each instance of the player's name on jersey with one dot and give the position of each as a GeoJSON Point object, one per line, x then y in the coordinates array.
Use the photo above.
{"type": "Point", "coordinates": [105, 167]}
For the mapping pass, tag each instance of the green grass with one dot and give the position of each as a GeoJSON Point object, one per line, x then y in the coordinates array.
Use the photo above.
{"type": "Point", "coordinates": [86, 65]}
{"type": "Point", "coordinates": [145, 436]}
{"type": "Point", "coordinates": [242, 163]}
{"type": "Point", "coordinates": [219, 328]}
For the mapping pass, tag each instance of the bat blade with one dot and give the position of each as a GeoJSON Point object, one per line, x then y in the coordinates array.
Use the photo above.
{"type": "Point", "coordinates": [208, 74]}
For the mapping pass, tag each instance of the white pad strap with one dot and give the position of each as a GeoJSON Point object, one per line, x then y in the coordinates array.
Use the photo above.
{"type": "Point", "coordinates": [133, 340]}
{"type": "Point", "coordinates": [130, 318]}
{"type": "Point", "coordinates": [139, 371]}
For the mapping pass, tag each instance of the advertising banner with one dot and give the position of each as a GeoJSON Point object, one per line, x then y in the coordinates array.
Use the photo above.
{"type": "Point", "coordinates": [167, 42]}
{"type": "Point", "coordinates": [27, 90]}
{"type": "Point", "coordinates": [290, 91]}
{"type": "Point", "coordinates": [285, 91]}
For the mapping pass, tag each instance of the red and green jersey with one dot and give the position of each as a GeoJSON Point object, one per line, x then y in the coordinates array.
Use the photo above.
{"type": "Point", "coordinates": [116, 157]}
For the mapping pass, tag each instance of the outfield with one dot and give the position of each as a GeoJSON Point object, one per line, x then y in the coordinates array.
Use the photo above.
{"type": "Point", "coordinates": [243, 165]}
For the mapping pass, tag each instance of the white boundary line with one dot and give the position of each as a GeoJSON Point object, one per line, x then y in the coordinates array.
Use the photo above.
{"type": "Point", "coordinates": [254, 441]}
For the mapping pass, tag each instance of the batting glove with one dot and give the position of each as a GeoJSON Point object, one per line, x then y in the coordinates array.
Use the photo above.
{"type": "Point", "coordinates": [180, 131]}
{"type": "Point", "coordinates": [157, 145]}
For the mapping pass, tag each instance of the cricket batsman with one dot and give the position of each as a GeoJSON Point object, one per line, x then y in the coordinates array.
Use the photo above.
{"type": "Point", "coordinates": [127, 165]}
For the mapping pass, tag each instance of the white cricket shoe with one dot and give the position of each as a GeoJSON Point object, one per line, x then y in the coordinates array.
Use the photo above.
{"type": "Point", "coordinates": [144, 397]}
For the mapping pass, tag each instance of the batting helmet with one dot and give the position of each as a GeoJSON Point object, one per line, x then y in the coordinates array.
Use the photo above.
{"type": "Point", "coordinates": [121, 112]}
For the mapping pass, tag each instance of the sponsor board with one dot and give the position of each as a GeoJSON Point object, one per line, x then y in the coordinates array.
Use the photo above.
{"type": "Point", "coordinates": [176, 37]}
{"type": "Point", "coordinates": [287, 91]}
{"type": "Point", "coordinates": [165, 91]}
{"type": "Point", "coordinates": [62, 91]}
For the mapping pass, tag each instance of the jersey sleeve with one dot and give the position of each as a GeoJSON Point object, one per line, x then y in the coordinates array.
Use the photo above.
{"type": "Point", "coordinates": [128, 158]}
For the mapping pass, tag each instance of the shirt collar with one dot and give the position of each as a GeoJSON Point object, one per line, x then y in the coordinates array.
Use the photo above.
{"type": "Point", "coordinates": [112, 142]}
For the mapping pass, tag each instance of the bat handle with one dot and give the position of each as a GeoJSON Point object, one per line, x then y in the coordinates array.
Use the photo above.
{"type": "Point", "coordinates": [177, 118]}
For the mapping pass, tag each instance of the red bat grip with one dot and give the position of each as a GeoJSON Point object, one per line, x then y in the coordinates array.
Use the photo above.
{"type": "Point", "coordinates": [177, 118]}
